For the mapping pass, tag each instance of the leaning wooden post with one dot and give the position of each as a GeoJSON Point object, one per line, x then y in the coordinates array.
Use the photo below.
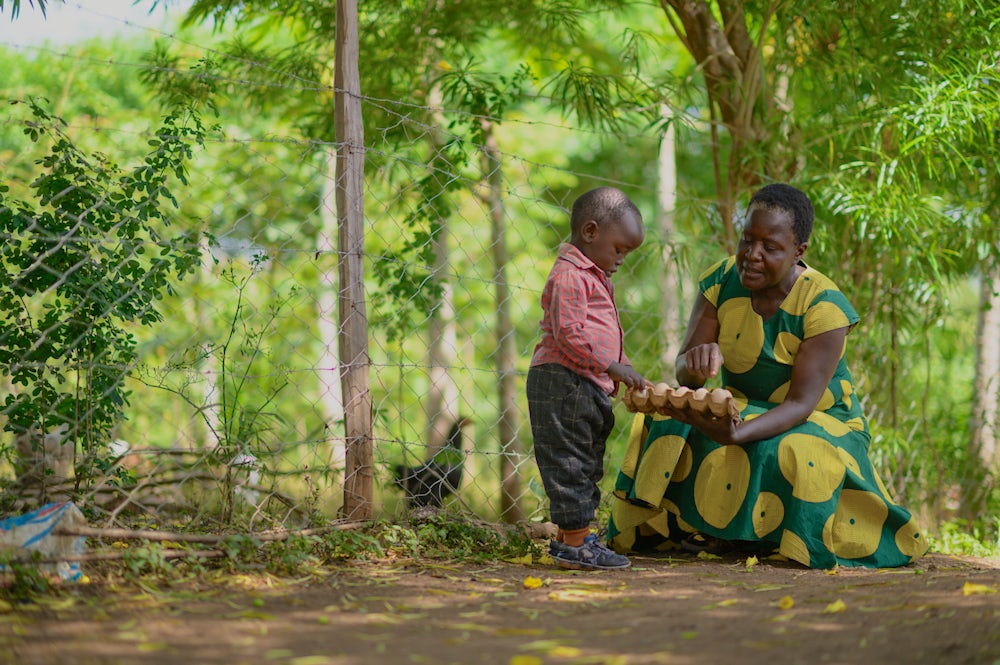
{"type": "Point", "coordinates": [355, 363]}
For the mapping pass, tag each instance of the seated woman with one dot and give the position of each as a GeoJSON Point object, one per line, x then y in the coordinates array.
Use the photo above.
{"type": "Point", "coordinates": [793, 474]}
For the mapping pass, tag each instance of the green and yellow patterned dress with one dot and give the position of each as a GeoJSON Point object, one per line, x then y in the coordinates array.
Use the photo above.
{"type": "Point", "coordinates": [811, 492]}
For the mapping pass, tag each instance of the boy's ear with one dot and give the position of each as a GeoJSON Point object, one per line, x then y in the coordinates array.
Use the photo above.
{"type": "Point", "coordinates": [589, 230]}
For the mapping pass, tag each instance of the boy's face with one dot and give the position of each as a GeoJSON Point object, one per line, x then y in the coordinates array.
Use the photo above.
{"type": "Point", "coordinates": [607, 245]}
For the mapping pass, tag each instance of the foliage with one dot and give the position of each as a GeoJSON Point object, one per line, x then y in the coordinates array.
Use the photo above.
{"type": "Point", "coordinates": [238, 413]}
{"type": "Point", "coordinates": [961, 538]}
{"type": "Point", "coordinates": [88, 258]}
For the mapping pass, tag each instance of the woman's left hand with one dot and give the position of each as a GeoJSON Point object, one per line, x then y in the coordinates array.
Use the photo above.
{"type": "Point", "coordinates": [724, 430]}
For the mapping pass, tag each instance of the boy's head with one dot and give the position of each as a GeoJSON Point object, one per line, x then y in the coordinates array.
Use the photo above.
{"type": "Point", "coordinates": [605, 226]}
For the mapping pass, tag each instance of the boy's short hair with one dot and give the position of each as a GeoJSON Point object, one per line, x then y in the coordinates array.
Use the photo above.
{"type": "Point", "coordinates": [603, 205]}
{"type": "Point", "coordinates": [793, 201]}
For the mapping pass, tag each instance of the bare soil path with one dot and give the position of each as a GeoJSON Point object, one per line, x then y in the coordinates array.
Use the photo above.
{"type": "Point", "coordinates": [682, 610]}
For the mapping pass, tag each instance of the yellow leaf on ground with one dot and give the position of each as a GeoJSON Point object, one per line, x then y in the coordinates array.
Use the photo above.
{"type": "Point", "coordinates": [56, 603]}
{"type": "Point", "coordinates": [834, 607]}
{"type": "Point", "coordinates": [525, 660]}
{"type": "Point", "coordinates": [311, 660]}
{"type": "Point", "coordinates": [786, 603]}
{"type": "Point", "coordinates": [973, 589]}
{"type": "Point", "coordinates": [532, 582]}
{"type": "Point", "coordinates": [526, 559]}
{"type": "Point", "coordinates": [148, 647]}
{"type": "Point", "coordinates": [751, 562]}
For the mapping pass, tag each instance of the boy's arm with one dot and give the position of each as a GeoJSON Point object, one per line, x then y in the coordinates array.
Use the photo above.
{"type": "Point", "coordinates": [623, 373]}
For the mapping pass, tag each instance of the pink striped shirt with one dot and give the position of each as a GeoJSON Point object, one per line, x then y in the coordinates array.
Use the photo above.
{"type": "Point", "coordinates": [581, 329]}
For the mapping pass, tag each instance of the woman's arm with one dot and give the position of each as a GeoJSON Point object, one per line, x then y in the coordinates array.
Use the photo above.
{"type": "Point", "coordinates": [815, 364]}
{"type": "Point", "coordinates": [699, 358]}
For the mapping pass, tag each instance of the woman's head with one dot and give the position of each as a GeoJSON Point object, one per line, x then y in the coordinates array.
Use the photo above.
{"type": "Point", "coordinates": [773, 239]}
{"type": "Point", "coordinates": [605, 225]}
{"type": "Point", "coordinates": [791, 200]}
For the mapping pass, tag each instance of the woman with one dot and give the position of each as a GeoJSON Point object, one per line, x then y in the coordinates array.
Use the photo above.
{"type": "Point", "coordinates": [792, 475]}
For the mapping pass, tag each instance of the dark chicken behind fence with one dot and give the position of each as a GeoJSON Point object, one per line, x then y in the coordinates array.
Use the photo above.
{"type": "Point", "coordinates": [437, 478]}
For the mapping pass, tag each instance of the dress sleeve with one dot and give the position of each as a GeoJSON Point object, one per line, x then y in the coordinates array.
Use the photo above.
{"type": "Point", "coordinates": [828, 311]}
{"type": "Point", "coordinates": [710, 281]}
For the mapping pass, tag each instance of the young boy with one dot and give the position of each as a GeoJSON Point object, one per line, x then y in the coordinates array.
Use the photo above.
{"type": "Point", "coordinates": [576, 369]}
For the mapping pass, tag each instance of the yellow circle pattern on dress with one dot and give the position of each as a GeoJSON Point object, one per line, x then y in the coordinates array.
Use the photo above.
{"type": "Point", "coordinates": [636, 437]}
{"type": "Point", "coordinates": [659, 462]}
{"type": "Point", "coordinates": [910, 540]}
{"type": "Point", "coordinates": [850, 462]}
{"type": "Point", "coordinates": [829, 424]}
{"type": "Point", "coordinates": [671, 507]}
{"type": "Point", "coordinates": [786, 347]}
{"type": "Point", "coordinates": [739, 398]}
{"type": "Point", "coordinates": [881, 488]}
{"type": "Point", "coordinates": [794, 547]}
{"type": "Point", "coordinates": [780, 393]}
{"type": "Point", "coordinates": [855, 530]}
{"type": "Point", "coordinates": [720, 485]}
{"type": "Point", "coordinates": [811, 466]}
{"type": "Point", "coordinates": [768, 512]}
{"type": "Point", "coordinates": [824, 317]}
{"type": "Point", "coordinates": [712, 293]}
{"type": "Point", "coordinates": [740, 344]}
{"type": "Point", "coordinates": [684, 464]}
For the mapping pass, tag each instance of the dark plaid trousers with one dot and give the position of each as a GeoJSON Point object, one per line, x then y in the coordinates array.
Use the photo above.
{"type": "Point", "coordinates": [571, 419]}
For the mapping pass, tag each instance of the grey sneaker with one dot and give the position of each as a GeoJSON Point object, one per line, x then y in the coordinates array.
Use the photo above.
{"type": "Point", "coordinates": [592, 555]}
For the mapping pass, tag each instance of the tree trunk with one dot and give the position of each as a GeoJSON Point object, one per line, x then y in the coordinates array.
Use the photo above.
{"type": "Point", "coordinates": [673, 309]}
{"type": "Point", "coordinates": [331, 397]}
{"type": "Point", "coordinates": [441, 402]}
{"type": "Point", "coordinates": [984, 456]}
{"type": "Point", "coordinates": [511, 450]}
{"type": "Point", "coordinates": [733, 68]}
{"type": "Point", "coordinates": [355, 362]}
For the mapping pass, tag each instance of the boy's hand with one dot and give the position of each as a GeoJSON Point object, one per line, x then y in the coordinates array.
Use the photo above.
{"type": "Point", "coordinates": [625, 374]}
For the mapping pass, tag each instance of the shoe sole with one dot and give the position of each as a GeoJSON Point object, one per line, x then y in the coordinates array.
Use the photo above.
{"type": "Point", "coordinates": [577, 565]}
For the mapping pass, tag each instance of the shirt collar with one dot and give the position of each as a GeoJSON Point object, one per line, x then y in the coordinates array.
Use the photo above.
{"type": "Point", "coordinates": [572, 254]}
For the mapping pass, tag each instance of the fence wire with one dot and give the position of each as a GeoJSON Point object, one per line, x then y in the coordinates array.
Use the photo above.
{"type": "Point", "coordinates": [234, 405]}
{"type": "Point", "coordinates": [234, 410]}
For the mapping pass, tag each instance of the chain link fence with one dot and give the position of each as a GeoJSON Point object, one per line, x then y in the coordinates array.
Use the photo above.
{"type": "Point", "coordinates": [232, 405]}
{"type": "Point", "coordinates": [234, 409]}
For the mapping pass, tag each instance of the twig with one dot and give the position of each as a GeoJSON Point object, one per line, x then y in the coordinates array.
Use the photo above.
{"type": "Point", "coordinates": [115, 556]}
{"type": "Point", "coordinates": [139, 534]}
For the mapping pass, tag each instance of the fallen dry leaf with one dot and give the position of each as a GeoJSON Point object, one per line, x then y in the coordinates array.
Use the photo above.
{"type": "Point", "coordinates": [974, 589]}
{"type": "Point", "coordinates": [834, 607]}
{"type": "Point", "coordinates": [532, 582]}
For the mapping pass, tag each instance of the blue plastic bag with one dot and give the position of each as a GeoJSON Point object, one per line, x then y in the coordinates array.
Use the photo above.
{"type": "Point", "coordinates": [33, 532]}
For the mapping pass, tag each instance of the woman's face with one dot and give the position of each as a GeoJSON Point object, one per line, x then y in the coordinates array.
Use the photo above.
{"type": "Point", "coordinates": [768, 249]}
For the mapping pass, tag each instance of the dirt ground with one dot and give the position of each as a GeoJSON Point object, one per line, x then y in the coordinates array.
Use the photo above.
{"type": "Point", "coordinates": [679, 610]}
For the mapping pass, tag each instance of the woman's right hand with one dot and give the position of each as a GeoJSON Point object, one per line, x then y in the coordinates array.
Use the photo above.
{"type": "Point", "coordinates": [702, 362]}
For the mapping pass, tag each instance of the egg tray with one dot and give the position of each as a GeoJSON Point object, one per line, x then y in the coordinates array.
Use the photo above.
{"type": "Point", "coordinates": [717, 402]}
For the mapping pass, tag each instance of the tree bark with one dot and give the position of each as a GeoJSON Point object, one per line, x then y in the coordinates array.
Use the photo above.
{"type": "Point", "coordinates": [328, 373]}
{"type": "Point", "coordinates": [983, 453]}
{"type": "Point", "coordinates": [733, 68]}
{"type": "Point", "coordinates": [511, 449]}
{"type": "Point", "coordinates": [353, 315]}
{"type": "Point", "coordinates": [441, 402]}
{"type": "Point", "coordinates": [672, 304]}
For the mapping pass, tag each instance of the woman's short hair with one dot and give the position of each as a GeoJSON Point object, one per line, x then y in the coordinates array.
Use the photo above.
{"type": "Point", "coordinates": [792, 200]}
